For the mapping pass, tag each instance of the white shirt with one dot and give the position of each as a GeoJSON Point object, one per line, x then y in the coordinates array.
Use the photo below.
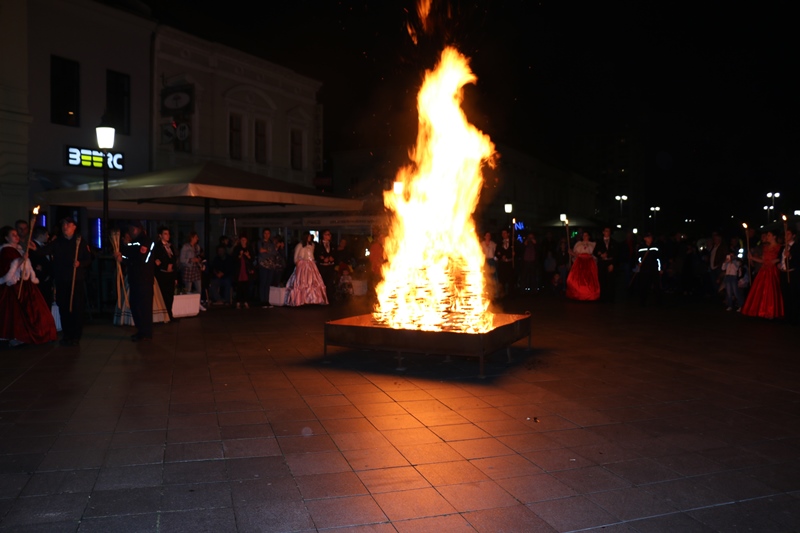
{"type": "Point", "coordinates": [584, 247]}
{"type": "Point", "coordinates": [489, 249]}
{"type": "Point", "coordinates": [304, 253]}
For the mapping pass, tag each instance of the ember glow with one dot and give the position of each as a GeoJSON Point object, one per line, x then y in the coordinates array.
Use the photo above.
{"type": "Point", "coordinates": [433, 277]}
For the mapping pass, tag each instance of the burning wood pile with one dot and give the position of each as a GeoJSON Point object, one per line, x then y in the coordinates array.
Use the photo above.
{"type": "Point", "coordinates": [433, 279]}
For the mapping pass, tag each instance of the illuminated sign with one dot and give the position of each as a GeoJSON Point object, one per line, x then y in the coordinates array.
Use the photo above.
{"type": "Point", "coordinates": [88, 158]}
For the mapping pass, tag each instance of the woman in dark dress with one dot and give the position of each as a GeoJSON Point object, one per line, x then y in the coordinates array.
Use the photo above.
{"type": "Point", "coordinates": [245, 269]}
{"type": "Point", "coordinates": [24, 315]}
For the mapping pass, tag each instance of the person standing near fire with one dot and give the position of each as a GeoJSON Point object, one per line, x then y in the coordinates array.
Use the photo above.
{"type": "Point", "coordinates": [377, 257]}
{"type": "Point", "coordinates": [305, 285]}
{"type": "Point", "coordinates": [606, 253]}
{"type": "Point", "coordinates": [504, 256]}
{"type": "Point", "coordinates": [324, 254]}
{"type": "Point", "coordinates": [166, 268]}
{"type": "Point", "coordinates": [266, 266]}
{"type": "Point", "coordinates": [649, 274]}
{"type": "Point", "coordinates": [71, 260]}
{"type": "Point", "coordinates": [138, 255]}
{"type": "Point", "coordinates": [790, 277]}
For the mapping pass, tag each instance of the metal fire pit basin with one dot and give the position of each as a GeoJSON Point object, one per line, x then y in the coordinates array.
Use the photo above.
{"type": "Point", "coordinates": [363, 332]}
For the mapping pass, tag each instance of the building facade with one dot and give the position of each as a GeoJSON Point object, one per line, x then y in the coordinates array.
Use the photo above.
{"type": "Point", "coordinates": [215, 103]}
{"type": "Point", "coordinates": [174, 100]}
{"type": "Point", "coordinates": [71, 63]}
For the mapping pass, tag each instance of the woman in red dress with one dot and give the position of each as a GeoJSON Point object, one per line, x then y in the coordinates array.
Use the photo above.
{"type": "Point", "coordinates": [24, 315]}
{"type": "Point", "coordinates": [582, 281]}
{"type": "Point", "coordinates": [764, 299]}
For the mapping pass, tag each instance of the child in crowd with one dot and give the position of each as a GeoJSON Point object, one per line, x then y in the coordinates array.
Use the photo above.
{"type": "Point", "coordinates": [345, 284]}
{"type": "Point", "coordinates": [732, 267]}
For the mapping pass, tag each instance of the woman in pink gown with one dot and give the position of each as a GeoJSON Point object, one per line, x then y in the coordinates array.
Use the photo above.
{"type": "Point", "coordinates": [764, 299]}
{"type": "Point", "coordinates": [305, 286]}
{"type": "Point", "coordinates": [582, 281]}
{"type": "Point", "coordinates": [24, 315]}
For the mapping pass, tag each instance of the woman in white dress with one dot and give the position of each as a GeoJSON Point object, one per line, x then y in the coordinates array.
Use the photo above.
{"type": "Point", "coordinates": [582, 282]}
{"type": "Point", "coordinates": [305, 286]}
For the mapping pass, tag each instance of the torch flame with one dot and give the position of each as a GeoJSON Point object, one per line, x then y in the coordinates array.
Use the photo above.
{"type": "Point", "coordinates": [36, 210]}
{"type": "Point", "coordinates": [433, 277]}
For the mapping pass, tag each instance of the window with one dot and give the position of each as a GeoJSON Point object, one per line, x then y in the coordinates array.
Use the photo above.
{"type": "Point", "coordinates": [261, 142]}
{"type": "Point", "coordinates": [118, 101]}
{"type": "Point", "coordinates": [297, 149]}
{"type": "Point", "coordinates": [235, 136]}
{"type": "Point", "coordinates": [65, 92]}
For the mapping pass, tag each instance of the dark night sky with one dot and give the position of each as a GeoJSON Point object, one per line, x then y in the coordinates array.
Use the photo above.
{"type": "Point", "coordinates": [710, 88]}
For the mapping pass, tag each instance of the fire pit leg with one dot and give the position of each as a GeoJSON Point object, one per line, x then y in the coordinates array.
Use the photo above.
{"type": "Point", "coordinates": [482, 374]}
{"type": "Point", "coordinates": [508, 353]}
{"type": "Point", "coordinates": [400, 367]}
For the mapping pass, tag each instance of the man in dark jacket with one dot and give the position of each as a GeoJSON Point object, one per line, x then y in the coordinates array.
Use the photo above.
{"type": "Point", "coordinates": [325, 256]}
{"type": "Point", "coordinates": [222, 271]}
{"type": "Point", "coordinates": [166, 270]}
{"type": "Point", "coordinates": [790, 277]}
{"type": "Point", "coordinates": [138, 256]}
{"type": "Point", "coordinates": [71, 260]}
{"type": "Point", "coordinates": [606, 252]}
{"type": "Point", "coordinates": [649, 270]}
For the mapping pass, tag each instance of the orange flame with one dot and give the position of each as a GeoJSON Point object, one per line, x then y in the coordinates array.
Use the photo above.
{"type": "Point", "coordinates": [423, 10]}
{"type": "Point", "coordinates": [433, 278]}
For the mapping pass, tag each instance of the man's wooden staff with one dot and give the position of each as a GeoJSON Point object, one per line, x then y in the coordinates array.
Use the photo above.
{"type": "Point", "coordinates": [122, 293]}
{"type": "Point", "coordinates": [749, 259]}
{"type": "Point", "coordinates": [74, 271]}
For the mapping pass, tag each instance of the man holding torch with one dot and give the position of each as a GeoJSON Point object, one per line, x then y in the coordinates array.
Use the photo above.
{"type": "Point", "coordinates": [71, 260]}
{"type": "Point", "coordinates": [790, 275]}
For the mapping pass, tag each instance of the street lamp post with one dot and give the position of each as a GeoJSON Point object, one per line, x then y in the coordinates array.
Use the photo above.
{"type": "Point", "coordinates": [767, 208]}
{"type": "Point", "coordinates": [772, 196]}
{"type": "Point", "coordinates": [655, 210]}
{"type": "Point", "coordinates": [105, 141]}
{"type": "Point", "coordinates": [620, 199]}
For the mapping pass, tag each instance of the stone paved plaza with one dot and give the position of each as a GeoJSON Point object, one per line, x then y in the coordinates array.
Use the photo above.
{"type": "Point", "coordinates": [681, 418]}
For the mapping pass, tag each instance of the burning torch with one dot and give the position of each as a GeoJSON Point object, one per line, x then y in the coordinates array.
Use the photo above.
{"type": "Point", "coordinates": [27, 248]}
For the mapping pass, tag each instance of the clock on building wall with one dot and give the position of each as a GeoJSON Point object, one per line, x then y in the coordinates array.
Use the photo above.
{"type": "Point", "coordinates": [177, 100]}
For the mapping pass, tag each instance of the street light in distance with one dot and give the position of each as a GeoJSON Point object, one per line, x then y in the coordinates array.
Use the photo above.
{"type": "Point", "coordinates": [620, 199]}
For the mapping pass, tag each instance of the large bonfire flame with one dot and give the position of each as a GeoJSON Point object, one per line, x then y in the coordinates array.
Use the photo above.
{"type": "Point", "coordinates": [433, 279]}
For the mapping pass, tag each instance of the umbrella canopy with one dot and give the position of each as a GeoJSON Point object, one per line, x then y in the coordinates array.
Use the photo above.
{"type": "Point", "coordinates": [226, 191]}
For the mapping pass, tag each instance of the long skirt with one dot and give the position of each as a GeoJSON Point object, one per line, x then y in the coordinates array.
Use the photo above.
{"type": "Point", "coordinates": [25, 316]}
{"type": "Point", "coordinates": [122, 312]}
{"type": "Point", "coordinates": [582, 283]}
{"type": "Point", "coordinates": [305, 286]}
{"type": "Point", "coordinates": [764, 299]}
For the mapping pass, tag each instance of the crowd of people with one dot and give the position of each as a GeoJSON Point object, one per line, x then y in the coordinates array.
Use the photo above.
{"type": "Point", "coordinates": [753, 277]}
{"type": "Point", "coordinates": [43, 277]}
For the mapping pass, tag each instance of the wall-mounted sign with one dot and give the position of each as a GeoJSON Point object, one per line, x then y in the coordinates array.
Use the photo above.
{"type": "Point", "coordinates": [177, 100]}
{"type": "Point", "coordinates": [88, 158]}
